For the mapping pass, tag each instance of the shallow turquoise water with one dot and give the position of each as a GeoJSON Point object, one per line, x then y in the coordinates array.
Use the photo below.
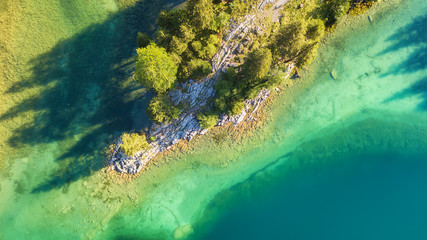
{"type": "Point", "coordinates": [339, 158]}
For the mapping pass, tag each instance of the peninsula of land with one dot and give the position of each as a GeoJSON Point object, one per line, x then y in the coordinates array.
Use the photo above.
{"type": "Point", "coordinates": [216, 62]}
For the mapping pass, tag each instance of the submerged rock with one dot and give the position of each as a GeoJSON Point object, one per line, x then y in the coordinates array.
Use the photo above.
{"type": "Point", "coordinates": [334, 74]}
{"type": "Point", "coordinates": [183, 231]}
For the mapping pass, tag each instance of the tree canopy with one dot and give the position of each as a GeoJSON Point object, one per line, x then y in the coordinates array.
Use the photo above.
{"type": "Point", "coordinates": [289, 40]}
{"type": "Point", "coordinates": [172, 19]}
{"type": "Point", "coordinates": [133, 142]}
{"type": "Point", "coordinates": [195, 69]}
{"type": "Point", "coordinates": [298, 40]}
{"type": "Point", "coordinates": [331, 10]}
{"type": "Point", "coordinates": [161, 109]}
{"type": "Point", "coordinates": [257, 65]}
{"type": "Point", "coordinates": [207, 120]}
{"type": "Point", "coordinates": [202, 12]}
{"type": "Point", "coordinates": [187, 39]}
{"type": "Point", "coordinates": [155, 68]}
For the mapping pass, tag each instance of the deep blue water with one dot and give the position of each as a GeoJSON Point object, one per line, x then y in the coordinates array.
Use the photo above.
{"type": "Point", "coordinates": [363, 194]}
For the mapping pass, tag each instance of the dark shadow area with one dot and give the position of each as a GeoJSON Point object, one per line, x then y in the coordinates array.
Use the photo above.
{"type": "Point", "coordinates": [413, 35]}
{"type": "Point", "coordinates": [418, 88]}
{"type": "Point", "coordinates": [85, 101]}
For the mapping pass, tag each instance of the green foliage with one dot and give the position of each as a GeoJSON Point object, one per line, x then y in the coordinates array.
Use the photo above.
{"type": "Point", "coordinates": [143, 40]}
{"type": "Point", "coordinates": [206, 47]}
{"type": "Point", "coordinates": [133, 142]}
{"type": "Point", "coordinates": [228, 95]}
{"type": "Point", "coordinates": [230, 75]}
{"type": "Point", "coordinates": [240, 8]}
{"type": "Point", "coordinates": [315, 30]}
{"type": "Point", "coordinates": [331, 10]}
{"type": "Point", "coordinates": [197, 46]}
{"type": "Point", "coordinates": [177, 46]}
{"type": "Point", "coordinates": [232, 89]}
{"type": "Point", "coordinates": [163, 38]}
{"type": "Point", "coordinates": [186, 33]}
{"type": "Point", "coordinates": [307, 54]}
{"type": "Point", "coordinates": [189, 35]}
{"type": "Point", "coordinates": [174, 33]}
{"type": "Point", "coordinates": [201, 13]}
{"type": "Point", "coordinates": [214, 40]}
{"type": "Point", "coordinates": [298, 41]}
{"type": "Point", "coordinates": [253, 91]}
{"type": "Point", "coordinates": [256, 66]}
{"type": "Point", "coordinates": [225, 83]}
{"type": "Point", "coordinates": [171, 20]}
{"type": "Point", "coordinates": [179, 43]}
{"type": "Point", "coordinates": [229, 104]}
{"type": "Point", "coordinates": [221, 20]}
{"type": "Point", "coordinates": [207, 121]}
{"type": "Point", "coordinates": [195, 69]}
{"type": "Point", "coordinates": [359, 7]}
{"type": "Point", "coordinates": [161, 109]}
{"type": "Point", "coordinates": [289, 40]}
{"type": "Point", "coordinates": [277, 77]}
{"type": "Point", "coordinates": [155, 68]}
{"type": "Point", "coordinates": [175, 58]}
{"type": "Point", "coordinates": [208, 51]}
{"type": "Point", "coordinates": [236, 107]}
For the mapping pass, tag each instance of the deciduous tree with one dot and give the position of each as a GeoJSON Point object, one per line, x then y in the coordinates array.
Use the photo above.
{"type": "Point", "coordinates": [257, 65]}
{"type": "Point", "coordinates": [155, 68]}
{"type": "Point", "coordinates": [133, 142]}
{"type": "Point", "coordinates": [201, 13]}
{"type": "Point", "coordinates": [161, 109]}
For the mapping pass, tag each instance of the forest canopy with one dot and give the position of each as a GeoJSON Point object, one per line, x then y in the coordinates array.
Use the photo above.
{"type": "Point", "coordinates": [187, 39]}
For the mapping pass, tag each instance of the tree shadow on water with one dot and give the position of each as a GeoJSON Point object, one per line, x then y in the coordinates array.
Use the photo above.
{"type": "Point", "coordinates": [83, 98]}
{"type": "Point", "coordinates": [413, 36]}
{"type": "Point", "coordinates": [418, 88]}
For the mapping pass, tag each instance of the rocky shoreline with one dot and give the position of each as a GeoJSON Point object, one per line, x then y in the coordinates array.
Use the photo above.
{"type": "Point", "coordinates": [196, 96]}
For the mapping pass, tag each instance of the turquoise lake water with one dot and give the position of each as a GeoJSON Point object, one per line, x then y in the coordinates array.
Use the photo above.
{"type": "Point", "coordinates": [364, 176]}
{"type": "Point", "coordinates": [341, 157]}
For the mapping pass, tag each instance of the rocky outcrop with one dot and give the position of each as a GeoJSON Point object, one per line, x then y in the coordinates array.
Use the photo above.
{"type": "Point", "coordinates": [195, 96]}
